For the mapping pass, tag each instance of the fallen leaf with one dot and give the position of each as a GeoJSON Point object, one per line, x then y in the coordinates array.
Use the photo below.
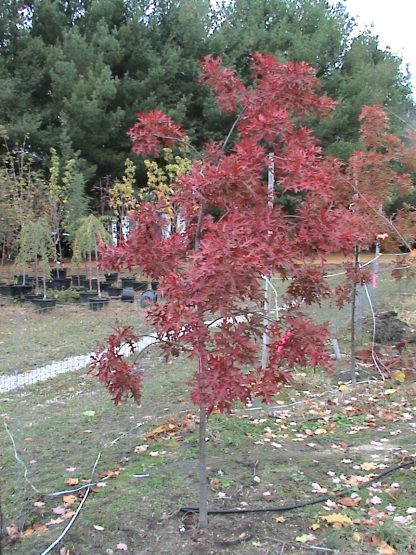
{"type": "Point", "coordinates": [385, 549]}
{"type": "Point", "coordinates": [280, 519]}
{"type": "Point", "coordinates": [97, 527]}
{"type": "Point", "coordinates": [13, 532]}
{"type": "Point", "coordinates": [305, 538]}
{"type": "Point", "coordinates": [58, 510]}
{"type": "Point", "coordinates": [337, 520]}
{"type": "Point", "coordinates": [122, 547]}
{"type": "Point", "coordinates": [369, 466]}
{"type": "Point", "coordinates": [315, 526]}
{"type": "Point", "coordinates": [349, 502]}
{"type": "Point", "coordinates": [72, 482]}
{"type": "Point", "coordinates": [356, 536]}
{"type": "Point", "coordinates": [160, 430]}
{"type": "Point", "coordinates": [89, 413]}
{"type": "Point", "coordinates": [316, 488]}
{"type": "Point", "coordinates": [399, 376]}
{"type": "Point", "coordinates": [141, 448]}
{"type": "Point", "coordinates": [69, 499]}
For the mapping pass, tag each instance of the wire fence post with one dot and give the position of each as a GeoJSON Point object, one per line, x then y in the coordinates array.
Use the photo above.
{"type": "Point", "coordinates": [374, 275]}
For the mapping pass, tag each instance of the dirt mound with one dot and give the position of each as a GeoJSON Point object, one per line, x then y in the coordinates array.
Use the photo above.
{"type": "Point", "coordinates": [389, 328]}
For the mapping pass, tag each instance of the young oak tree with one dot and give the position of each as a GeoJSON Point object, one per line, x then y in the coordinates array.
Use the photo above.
{"type": "Point", "coordinates": [214, 266]}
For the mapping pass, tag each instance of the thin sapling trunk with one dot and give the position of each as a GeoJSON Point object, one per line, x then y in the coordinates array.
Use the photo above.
{"type": "Point", "coordinates": [44, 275]}
{"type": "Point", "coordinates": [353, 309]}
{"type": "Point", "coordinates": [90, 269]}
{"type": "Point", "coordinates": [202, 458]}
{"type": "Point", "coordinates": [97, 270]}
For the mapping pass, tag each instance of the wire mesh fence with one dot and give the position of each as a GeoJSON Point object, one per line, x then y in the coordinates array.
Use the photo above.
{"type": "Point", "coordinates": [67, 427]}
{"type": "Point", "coordinates": [38, 344]}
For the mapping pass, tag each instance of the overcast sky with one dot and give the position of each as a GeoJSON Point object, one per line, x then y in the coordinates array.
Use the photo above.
{"type": "Point", "coordinates": [394, 21]}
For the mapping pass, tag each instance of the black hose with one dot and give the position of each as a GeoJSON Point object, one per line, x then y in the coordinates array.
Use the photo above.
{"type": "Point", "coordinates": [300, 505]}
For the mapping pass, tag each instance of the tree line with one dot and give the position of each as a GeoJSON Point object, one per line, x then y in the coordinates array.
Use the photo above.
{"type": "Point", "coordinates": [75, 73]}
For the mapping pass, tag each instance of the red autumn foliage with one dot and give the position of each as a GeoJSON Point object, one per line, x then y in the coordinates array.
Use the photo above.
{"type": "Point", "coordinates": [115, 372]}
{"type": "Point", "coordinates": [214, 267]}
{"type": "Point", "coordinates": [153, 131]}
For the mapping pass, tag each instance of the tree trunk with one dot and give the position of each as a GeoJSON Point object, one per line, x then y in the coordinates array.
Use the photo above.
{"type": "Point", "coordinates": [36, 275]}
{"type": "Point", "coordinates": [353, 306]}
{"type": "Point", "coordinates": [202, 460]}
{"type": "Point", "coordinates": [97, 270]}
{"type": "Point", "coordinates": [44, 276]}
{"type": "Point", "coordinates": [90, 269]}
{"type": "Point", "coordinates": [202, 465]}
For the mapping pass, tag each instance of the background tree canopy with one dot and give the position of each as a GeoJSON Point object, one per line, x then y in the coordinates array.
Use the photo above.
{"type": "Point", "coordinates": [74, 73]}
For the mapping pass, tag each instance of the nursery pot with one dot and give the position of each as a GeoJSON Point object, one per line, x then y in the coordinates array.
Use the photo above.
{"type": "Point", "coordinates": [86, 283]}
{"type": "Point", "coordinates": [58, 273]}
{"type": "Point", "coordinates": [127, 282]}
{"type": "Point", "coordinates": [61, 283]}
{"type": "Point", "coordinates": [104, 285]}
{"type": "Point", "coordinates": [6, 290]}
{"type": "Point", "coordinates": [111, 277]}
{"type": "Point", "coordinates": [28, 279]}
{"type": "Point", "coordinates": [77, 279]}
{"type": "Point", "coordinates": [44, 305]}
{"type": "Point", "coordinates": [140, 285]}
{"type": "Point", "coordinates": [98, 303]}
{"type": "Point", "coordinates": [114, 291]}
{"type": "Point", "coordinates": [21, 290]}
{"type": "Point", "coordinates": [127, 295]}
{"type": "Point", "coordinates": [155, 285]}
{"type": "Point", "coordinates": [32, 296]}
{"type": "Point", "coordinates": [84, 296]}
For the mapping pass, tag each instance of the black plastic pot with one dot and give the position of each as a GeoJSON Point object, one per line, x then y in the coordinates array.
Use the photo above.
{"type": "Point", "coordinates": [155, 285]}
{"type": "Point", "coordinates": [127, 295]}
{"type": "Point", "coordinates": [86, 283]}
{"type": "Point", "coordinates": [84, 296]}
{"type": "Point", "coordinates": [32, 296]}
{"type": "Point", "coordinates": [29, 280]}
{"type": "Point", "coordinates": [58, 272]}
{"type": "Point", "coordinates": [127, 282]}
{"type": "Point", "coordinates": [98, 303]}
{"type": "Point", "coordinates": [111, 277]}
{"type": "Point", "coordinates": [140, 285]}
{"type": "Point", "coordinates": [61, 283]}
{"type": "Point", "coordinates": [18, 291]}
{"type": "Point", "coordinates": [44, 305]}
{"type": "Point", "coordinates": [104, 285]}
{"type": "Point", "coordinates": [77, 279]}
{"type": "Point", "coordinates": [6, 290]}
{"type": "Point", "coordinates": [114, 291]}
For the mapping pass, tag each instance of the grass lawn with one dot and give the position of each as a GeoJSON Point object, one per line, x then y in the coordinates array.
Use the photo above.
{"type": "Point", "coordinates": [328, 438]}
{"type": "Point", "coordinates": [318, 439]}
{"type": "Point", "coordinates": [29, 339]}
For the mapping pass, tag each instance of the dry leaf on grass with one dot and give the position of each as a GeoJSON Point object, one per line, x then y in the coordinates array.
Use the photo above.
{"type": "Point", "coordinates": [337, 520]}
{"type": "Point", "coordinates": [72, 482]}
{"type": "Point", "coordinates": [349, 502]}
{"type": "Point", "coordinates": [13, 532]}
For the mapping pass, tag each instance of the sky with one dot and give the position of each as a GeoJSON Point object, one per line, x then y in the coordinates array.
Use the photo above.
{"type": "Point", "coordinates": [394, 21]}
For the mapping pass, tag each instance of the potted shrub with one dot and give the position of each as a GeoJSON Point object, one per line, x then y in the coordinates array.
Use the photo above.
{"type": "Point", "coordinates": [37, 245]}
{"type": "Point", "coordinates": [89, 234]}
